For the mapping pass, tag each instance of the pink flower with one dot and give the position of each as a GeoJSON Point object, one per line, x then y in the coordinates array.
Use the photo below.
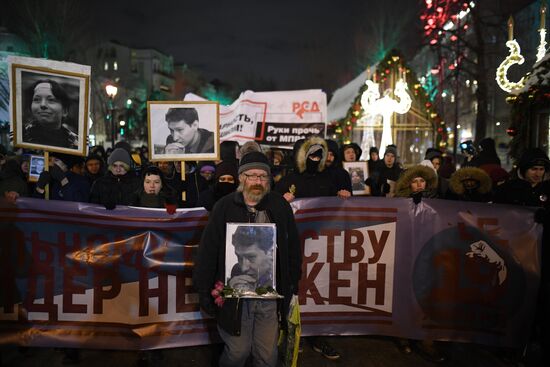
{"type": "Point", "coordinates": [219, 301]}
{"type": "Point", "coordinates": [215, 293]}
{"type": "Point", "coordinates": [218, 286]}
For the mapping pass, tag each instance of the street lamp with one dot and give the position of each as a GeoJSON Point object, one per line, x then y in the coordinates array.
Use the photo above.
{"type": "Point", "coordinates": [111, 91]}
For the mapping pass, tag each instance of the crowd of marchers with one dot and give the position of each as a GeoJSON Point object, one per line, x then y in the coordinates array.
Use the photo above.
{"type": "Point", "coordinates": [264, 177]}
{"type": "Point", "coordinates": [124, 176]}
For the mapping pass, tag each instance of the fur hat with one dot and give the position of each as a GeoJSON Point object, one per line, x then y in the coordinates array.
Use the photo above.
{"type": "Point", "coordinates": [470, 173]}
{"type": "Point", "coordinates": [120, 155]}
{"type": "Point", "coordinates": [403, 185]}
{"type": "Point", "coordinates": [312, 145]}
{"type": "Point", "coordinates": [254, 160]}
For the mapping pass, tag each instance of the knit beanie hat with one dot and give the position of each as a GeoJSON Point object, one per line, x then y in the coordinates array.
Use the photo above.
{"type": "Point", "coordinates": [226, 168]}
{"type": "Point", "coordinates": [254, 160]}
{"type": "Point", "coordinates": [120, 155]}
{"type": "Point", "coordinates": [207, 166]}
{"type": "Point", "coordinates": [315, 150]}
{"type": "Point", "coordinates": [432, 153]}
{"type": "Point", "coordinates": [533, 157]}
{"type": "Point", "coordinates": [373, 150]}
{"type": "Point", "coordinates": [391, 149]}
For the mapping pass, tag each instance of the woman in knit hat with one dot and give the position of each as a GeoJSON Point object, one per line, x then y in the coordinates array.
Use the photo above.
{"type": "Point", "coordinates": [118, 186]}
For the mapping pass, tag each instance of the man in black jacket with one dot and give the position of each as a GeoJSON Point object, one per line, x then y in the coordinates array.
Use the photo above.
{"type": "Point", "coordinates": [249, 326]}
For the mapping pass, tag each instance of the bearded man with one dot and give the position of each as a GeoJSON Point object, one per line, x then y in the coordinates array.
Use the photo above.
{"type": "Point", "coordinates": [249, 326]}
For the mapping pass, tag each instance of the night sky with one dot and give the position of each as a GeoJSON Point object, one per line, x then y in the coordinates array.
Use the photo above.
{"type": "Point", "coordinates": [290, 44]}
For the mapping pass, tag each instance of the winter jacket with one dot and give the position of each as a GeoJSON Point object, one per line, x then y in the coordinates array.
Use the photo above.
{"type": "Point", "coordinates": [307, 184]}
{"type": "Point", "coordinates": [115, 190]}
{"type": "Point", "coordinates": [12, 178]}
{"type": "Point", "coordinates": [210, 260]}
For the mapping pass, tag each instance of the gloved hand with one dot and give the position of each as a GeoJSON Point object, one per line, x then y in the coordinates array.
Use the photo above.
{"type": "Point", "coordinates": [417, 197]}
{"type": "Point", "coordinates": [206, 302]}
{"type": "Point", "coordinates": [58, 174]}
{"type": "Point", "coordinates": [385, 188]}
{"type": "Point", "coordinates": [110, 204]}
{"type": "Point", "coordinates": [542, 216]}
{"type": "Point", "coordinates": [43, 180]}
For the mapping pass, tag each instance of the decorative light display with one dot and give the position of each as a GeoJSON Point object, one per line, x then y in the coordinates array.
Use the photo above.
{"type": "Point", "coordinates": [377, 81]}
{"type": "Point", "coordinates": [541, 50]}
{"type": "Point", "coordinates": [385, 106]}
{"type": "Point", "coordinates": [513, 58]}
{"type": "Point", "coordinates": [516, 58]}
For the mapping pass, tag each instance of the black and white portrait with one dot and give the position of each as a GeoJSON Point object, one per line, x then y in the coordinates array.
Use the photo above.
{"type": "Point", "coordinates": [50, 107]}
{"type": "Point", "coordinates": [183, 130]}
{"type": "Point", "coordinates": [250, 256]}
{"type": "Point", "coordinates": [358, 173]}
{"type": "Point", "coordinates": [36, 167]}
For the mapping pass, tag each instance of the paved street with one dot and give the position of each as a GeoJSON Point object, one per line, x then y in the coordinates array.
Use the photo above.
{"type": "Point", "coordinates": [355, 352]}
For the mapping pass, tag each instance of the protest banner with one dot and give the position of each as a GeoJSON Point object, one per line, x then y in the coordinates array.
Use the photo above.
{"type": "Point", "coordinates": [277, 119]}
{"type": "Point", "coordinates": [76, 275]}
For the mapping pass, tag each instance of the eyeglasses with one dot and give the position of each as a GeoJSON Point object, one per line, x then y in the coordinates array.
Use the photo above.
{"type": "Point", "coordinates": [262, 178]}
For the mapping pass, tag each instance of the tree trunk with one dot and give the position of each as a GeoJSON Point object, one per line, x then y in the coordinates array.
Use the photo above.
{"type": "Point", "coordinates": [481, 77]}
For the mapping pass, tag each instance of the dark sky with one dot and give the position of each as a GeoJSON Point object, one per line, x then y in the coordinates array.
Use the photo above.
{"type": "Point", "coordinates": [291, 44]}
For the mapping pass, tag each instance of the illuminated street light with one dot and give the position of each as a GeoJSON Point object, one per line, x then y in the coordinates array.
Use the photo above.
{"type": "Point", "coordinates": [111, 91]}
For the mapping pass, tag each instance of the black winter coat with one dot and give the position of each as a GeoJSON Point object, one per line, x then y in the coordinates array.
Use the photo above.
{"type": "Point", "coordinates": [118, 190]}
{"type": "Point", "coordinates": [210, 260]}
{"type": "Point", "coordinates": [308, 185]}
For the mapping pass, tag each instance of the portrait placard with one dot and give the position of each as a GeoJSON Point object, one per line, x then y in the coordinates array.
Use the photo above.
{"type": "Point", "coordinates": [250, 259]}
{"type": "Point", "coordinates": [36, 167]}
{"type": "Point", "coordinates": [358, 172]}
{"type": "Point", "coordinates": [180, 131]}
{"type": "Point", "coordinates": [49, 104]}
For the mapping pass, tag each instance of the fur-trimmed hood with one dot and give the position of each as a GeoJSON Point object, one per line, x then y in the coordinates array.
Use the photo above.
{"type": "Point", "coordinates": [474, 173]}
{"type": "Point", "coordinates": [302, 153]}
{"type": "Point", "coordinates": [403, 185]}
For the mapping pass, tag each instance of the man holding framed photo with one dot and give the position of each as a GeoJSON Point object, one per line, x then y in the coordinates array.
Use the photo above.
{"type": "Point", "coordinates": [249, 325]}
{"type": "Point", "coordinates": [185, 134]}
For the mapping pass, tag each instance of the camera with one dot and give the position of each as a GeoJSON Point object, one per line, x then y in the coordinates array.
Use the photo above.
{"type": "Point", "coordinates": [468, 147]}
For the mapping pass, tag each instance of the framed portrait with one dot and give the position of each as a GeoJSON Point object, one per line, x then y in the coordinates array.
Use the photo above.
{"type": "Point", "coordinates": [36, 166]}
{"type": "Point", "coordinates": [250, 258]}
{"type": "Point", "coordinates": [180, 131]}
{"type": "Point", "coordinates": [358, 172]}
{"type": "Point", "coordinates": [49, 104]}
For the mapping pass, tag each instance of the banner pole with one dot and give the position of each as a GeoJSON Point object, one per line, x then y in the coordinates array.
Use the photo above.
{"type": "Point", "coordinates": [182, 169]}
{"type": "Point", "coordinates": [47, 168]}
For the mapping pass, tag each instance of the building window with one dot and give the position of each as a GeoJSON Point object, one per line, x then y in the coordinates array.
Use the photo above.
{"type": "Point", "coordinates": [115, 66]}
{"type": "Point", "coordinates": [106, 66]}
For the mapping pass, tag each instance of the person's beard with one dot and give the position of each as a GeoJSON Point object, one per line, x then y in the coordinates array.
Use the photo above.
{"type": "Point", "coordinates": [254, 192]}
